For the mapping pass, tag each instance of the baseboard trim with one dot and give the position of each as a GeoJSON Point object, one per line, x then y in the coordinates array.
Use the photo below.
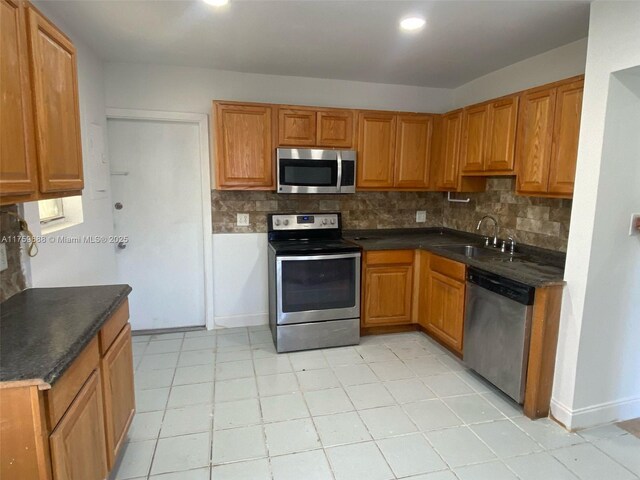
{"type": "Point", "coordinates": [252, 320]}
{"type": "Point", "coordinates": [603, 413]}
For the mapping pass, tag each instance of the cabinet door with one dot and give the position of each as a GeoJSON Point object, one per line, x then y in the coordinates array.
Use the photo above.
{"type": "Point", "coordinates": [535, 140]}
{"type": "Point", "coordinates": [296, 127]}
{"type": "Point", "coordinates": [447, 176]}
{"type": "Point", "coordinates": [376, 147]}
{"type": "Point", "coordinates": [78, 449]}
{"type": "Point", "coordinates": [474, 138]}
{"type": "Point", "coordinates": [57, 111]}
{"type": "Point", "coordinates": [388, 295]}
{"type": "Point", "coordinates": [501, 139]}
{"type": "Point", "coordinates": [335, 128]}
{"type": "Point", "coordinates": [244, 154]}
{"type": "Point", "coordinates": [413, 146]}
{"type": "Point", "coordinates": [446, 310]}
{"type": "Point", "coordinates": [566, 128]}
{"type": "Point", "coordinates": [118, 389]}
{"type": "Point", "coordinates": [17, 149]}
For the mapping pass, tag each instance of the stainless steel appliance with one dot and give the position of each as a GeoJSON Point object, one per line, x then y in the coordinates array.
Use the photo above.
{"type": "Point", "coordinates": [308, 170]}
{"type": "Point", "coordinates": [497, 328]}
{"type": "Point", "coordinates": [314, 282]}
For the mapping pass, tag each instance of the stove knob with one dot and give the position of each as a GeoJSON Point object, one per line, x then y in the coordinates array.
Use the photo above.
{"type": "Point", "coordinates": [276, 222]}
{"type": "Point", "coordinates": [324, 221]}
{"type": "Point", "coordinates": [285, 222]}
{"type": "Point", "coordinates": [333, 221]}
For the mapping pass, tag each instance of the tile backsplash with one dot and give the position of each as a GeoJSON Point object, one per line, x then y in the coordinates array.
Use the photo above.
{"type": "Point", "coordinates": [542, 222]}
{"type": "Point", "coordinates": [12, 280]}
{"type": "Point", "coordinates": [362, 210]}
{"type": "Point", "coordinates": [537, 221]}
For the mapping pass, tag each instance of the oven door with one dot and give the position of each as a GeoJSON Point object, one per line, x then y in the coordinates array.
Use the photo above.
{"type": "Point", "coordinates": [303, 170]}
{"type": "Point", "coordinates": [316, 288]}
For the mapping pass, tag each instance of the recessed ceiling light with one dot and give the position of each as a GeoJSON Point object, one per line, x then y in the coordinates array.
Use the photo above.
{"type": "Point", "coordinates": [411, 24]}
{"type": "Point", "coordinates": [216, 3]}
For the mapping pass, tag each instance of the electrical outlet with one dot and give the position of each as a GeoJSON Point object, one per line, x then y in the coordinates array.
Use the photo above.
{"type": "Point", "coordinates": [634, 228]}
{"type": "Point", "coordinates": [4, 264]}
{"type": "Point", "coordinates": [421, 216]}
{"type": "Point", "coordinates": [243, 220]}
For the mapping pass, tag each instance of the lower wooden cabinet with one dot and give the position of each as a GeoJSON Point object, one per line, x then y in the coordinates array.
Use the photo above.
{"type": "Point", "coordinates": [387, 288]}
{"type": "Point", "coordinates": [118, 387]}
{"type": "Point", "coordinates": [78, 443]}
{"type": "Point", "coordinates": [76, 428]}
{"type": "Point", "coordinates": [415, 288]}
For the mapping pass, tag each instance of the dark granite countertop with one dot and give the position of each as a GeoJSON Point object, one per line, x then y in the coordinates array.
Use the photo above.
{"type": "Point", "coordinates": [42, 330]}
{"type": "Point", "coordinates": [536, 267]}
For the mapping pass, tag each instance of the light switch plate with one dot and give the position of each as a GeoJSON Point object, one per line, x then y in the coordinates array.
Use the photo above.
{"type": "Point", "coordinates": [242, 220]}
{"type": "Point", "coordinates": [634, 228]}
{"type": "Point", "coordinates": [4, 264]}
{"type": "Point", "coordinates": [421, 216]}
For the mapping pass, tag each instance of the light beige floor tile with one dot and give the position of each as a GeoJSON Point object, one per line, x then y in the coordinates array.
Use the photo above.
{"type": "Point", "coordinates": [311, 465]}
{"type": "Point", "coordinates": [369, 395]}
{"type": "Point", "coordinates": [359, 461]}
{"type": "Point", "coordinates": [458, 446]}
{"type": "Point", "coordinates": [184, 395]}
{"type": "Point", "coordinates": [341, 428]}
{"type": "Point", "coordinates": [283, 407]}
{"type": "Point", "coordinates": [248, 470]}
{"type": "Point", "coordinates": [291, 436]}
{"type": "Point", "coordinates": [238, 413]}
{"type": "Point", "coordinates": [409, 390]}
{"type": "Point", "coordinates": [238, 444]}
{"type": "Point", "coordinates": [236, 389]}
{"type": "Point", "coordinates": [182, 453]}
{"type": "Point", "coordinates": [325, 402]}
{"type": "Point", "coordinates": [186, 420]}
{"type": "Point", "coordinates": [410, 455]}
{"type": "Point", "coordinates": [387, 422]}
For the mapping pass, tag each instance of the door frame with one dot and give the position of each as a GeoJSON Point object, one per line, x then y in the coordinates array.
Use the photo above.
{"type": "Point", "coordinates": [202, 120]}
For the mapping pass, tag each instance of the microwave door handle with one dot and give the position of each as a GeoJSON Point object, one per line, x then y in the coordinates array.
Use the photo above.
{"type": "Point", "coordinates": [339, 182]}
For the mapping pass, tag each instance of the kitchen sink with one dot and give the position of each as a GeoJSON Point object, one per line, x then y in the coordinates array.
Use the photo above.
{"type": "Point", "coordinates": [480, 252]}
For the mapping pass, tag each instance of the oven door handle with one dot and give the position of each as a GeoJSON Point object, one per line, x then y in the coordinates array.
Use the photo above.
{"type": "Point", "coordinates": [304, 258]}
{"type": "Point", "coordinates": [339, 159]}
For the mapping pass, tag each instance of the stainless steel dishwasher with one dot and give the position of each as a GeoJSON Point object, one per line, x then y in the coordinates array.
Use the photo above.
{"type": "Point", "coordinates": [497, 328]}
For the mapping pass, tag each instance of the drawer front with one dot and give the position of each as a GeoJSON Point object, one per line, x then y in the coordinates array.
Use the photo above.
{"type": "Point", "coordinates": [448, 267]}
{"type": "Point", "coordinates": [113, 327]}
{"type": "Point", "coordinates": [389, 257]}
{"type": "Point", "coordinates": [67, 387]}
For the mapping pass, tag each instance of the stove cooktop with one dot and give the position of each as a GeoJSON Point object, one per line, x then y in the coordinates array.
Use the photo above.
{"type": "Point", "coordinates": [310, 246]}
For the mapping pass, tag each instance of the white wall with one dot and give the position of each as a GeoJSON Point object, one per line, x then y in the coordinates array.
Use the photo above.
{"type": "Point", "coordinates": [562, 62]}
{"type": "Point", "coordinates": [598, 361]}
{"type": "Point", "coordinates": [80, 264]}
{"type": "Point", "coordinates": [162, 87]}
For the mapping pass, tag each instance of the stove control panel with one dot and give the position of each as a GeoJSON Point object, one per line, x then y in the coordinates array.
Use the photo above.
{"type": "Point", "coordinates": [305, 221]}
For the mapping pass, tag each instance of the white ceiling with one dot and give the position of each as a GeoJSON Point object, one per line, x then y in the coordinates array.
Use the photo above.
{"type": "Point", "coordinates": [350, 40]}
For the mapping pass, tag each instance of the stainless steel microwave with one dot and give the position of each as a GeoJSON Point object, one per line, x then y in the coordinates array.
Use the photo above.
{"type": "Point", "coordinates": [311, 170]}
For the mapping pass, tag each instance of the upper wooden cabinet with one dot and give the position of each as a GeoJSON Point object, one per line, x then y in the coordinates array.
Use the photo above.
{"type": "Point", "coordinates": [413, 148]}
{"type": "Point", "coordinates": [57, 111]}
{"type": "Point", "coordinates": [489, 136]}
{"type": "Point", "coordinates": [335, 128]}
{"type": "Point", "coordinates": [296, 127]}
{"type": "Point", "coordinates": [17, 150]}
{"type": "Point", "coordinates": [548, 132]}
{"type": "Point", "coordinates": [311, 127]}
{"type": "Point", "coordinates": [387, 288]}
{"type": "Point", "coordinates": [376, 150]}
{"type": "Point", "coordinates": [394, 151]}
{"type": "Point", "coordinates": [41, 151]}
{"type": "Point", "coordinates": [446, 163]}
{"type": "Point", "coordinates": [244, 146]}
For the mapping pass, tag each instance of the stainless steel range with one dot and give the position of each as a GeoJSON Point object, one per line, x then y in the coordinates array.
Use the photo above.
{"type": "Point", "coordinates": [314, 282]}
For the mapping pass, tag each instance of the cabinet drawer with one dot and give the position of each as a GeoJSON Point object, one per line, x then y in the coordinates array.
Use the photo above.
{"type": "Point", "coordinates": [386, 257]}
{"type": "Point", "coordinates": [113, 327]}
{"type": "Point", "coordinates": [67, 387]}
{"type": "Point", "coordinates": [448, 267]}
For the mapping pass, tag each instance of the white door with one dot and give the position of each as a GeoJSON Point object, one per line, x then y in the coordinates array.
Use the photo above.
{"type": "Point", "coordinates": [156, 177]}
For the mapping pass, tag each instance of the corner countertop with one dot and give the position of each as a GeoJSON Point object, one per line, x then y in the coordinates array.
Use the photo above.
{"type": "Point", "coordinates": [43, 330]}
{"type": "Point", "coordinates": [535, 267]}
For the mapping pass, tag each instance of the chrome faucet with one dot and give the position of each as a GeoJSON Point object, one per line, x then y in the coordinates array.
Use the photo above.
{"type": "Point", "coordinates": [496, 227]}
